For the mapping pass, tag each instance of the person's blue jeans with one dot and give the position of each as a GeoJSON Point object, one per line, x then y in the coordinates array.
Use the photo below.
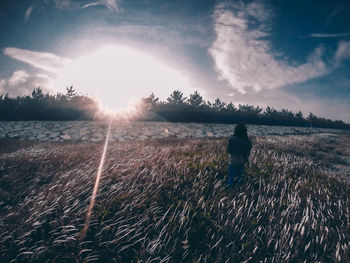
{"type": "Point", "coordinates": [234, 174]}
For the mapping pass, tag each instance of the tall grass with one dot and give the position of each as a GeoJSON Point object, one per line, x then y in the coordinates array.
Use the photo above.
{"type": "Point", "coordinates": [166, 201]}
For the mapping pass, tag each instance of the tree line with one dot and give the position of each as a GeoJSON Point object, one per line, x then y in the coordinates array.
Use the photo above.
{"type": "Point", "coordinates": [40, 106]}
{"type": "Point", "coordinates": [176, 108]}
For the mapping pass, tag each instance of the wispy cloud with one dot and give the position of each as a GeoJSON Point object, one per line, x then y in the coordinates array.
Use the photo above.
{"type": "Point", "coordinates": [243, 56]}
{"type": "Point", "coordinates": [343, 51]}
{"type": "Point", "coordinates": [64, 4]}
{"type": "Point", "coordinates": [42, 60]}
{"type": "Point", "coordinates": [321, 35]}
{"type": "Point", "coordinates": [334, 13]}
{"type": "Point", "coordinates": [21, 83]}
{"type": "Point", "coordinates": [155, 33]}
{"type": "Point", "coordinates": [28, 14]}
{"type": "Point", "coordinates": [112, 5]}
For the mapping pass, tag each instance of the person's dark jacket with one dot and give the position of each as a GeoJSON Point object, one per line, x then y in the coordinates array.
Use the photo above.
{"type": "Point", "coordinates": [239, 148]}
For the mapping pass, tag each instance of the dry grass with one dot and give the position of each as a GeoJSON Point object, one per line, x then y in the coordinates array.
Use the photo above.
{"type": "Point", "coordinates": [330, 151]}
{"type": "Point", "coordinates": [166, 201]}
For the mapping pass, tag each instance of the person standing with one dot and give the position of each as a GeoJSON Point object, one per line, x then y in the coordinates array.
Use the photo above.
{"type": "Point", "coordinates": [239, 147]}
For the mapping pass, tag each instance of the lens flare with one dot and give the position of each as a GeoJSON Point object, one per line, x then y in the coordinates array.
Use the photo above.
{"type": "Point", "coordinates": [97, 182]}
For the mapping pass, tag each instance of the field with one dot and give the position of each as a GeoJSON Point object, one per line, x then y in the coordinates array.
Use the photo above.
{"type": "Point", "coordinates": [166, 200]}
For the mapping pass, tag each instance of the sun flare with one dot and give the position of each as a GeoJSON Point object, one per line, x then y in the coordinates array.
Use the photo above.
{"type": "Point", "coordinates": [119, 76]}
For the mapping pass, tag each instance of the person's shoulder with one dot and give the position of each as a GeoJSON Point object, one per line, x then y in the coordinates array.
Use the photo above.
{"type": "Point", "coordinates": [232, 138]}
{"type": "Point", "coordinates": [238, 139]}
{"type": "Point", "coordinates": [246, 143]}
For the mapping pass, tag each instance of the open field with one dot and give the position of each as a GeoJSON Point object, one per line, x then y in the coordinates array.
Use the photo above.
{"type": "Point", "coordinates": [166, 200]}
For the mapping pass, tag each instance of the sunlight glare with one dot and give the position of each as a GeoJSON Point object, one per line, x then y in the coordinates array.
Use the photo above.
{"type": "Point", "coordinates": [119, 75]}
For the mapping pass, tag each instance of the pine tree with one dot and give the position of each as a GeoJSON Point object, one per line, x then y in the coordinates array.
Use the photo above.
{"type": "Point", "coordinates": [176, 98]}
{"type": "Point", "coordinates": [196, 100]}
{"type": "Point", "coordinates": [71, 93]}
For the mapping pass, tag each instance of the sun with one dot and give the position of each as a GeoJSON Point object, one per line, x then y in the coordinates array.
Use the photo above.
{"type": "Point", "coordinates": [118, 76]}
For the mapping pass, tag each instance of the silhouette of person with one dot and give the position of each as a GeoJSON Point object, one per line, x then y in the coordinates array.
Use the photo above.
{"type": "Point", "coordinates": [239, 147]}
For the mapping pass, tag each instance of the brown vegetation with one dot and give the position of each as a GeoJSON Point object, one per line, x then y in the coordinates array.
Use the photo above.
{"type": "Point", "coordinates": [166, 201]}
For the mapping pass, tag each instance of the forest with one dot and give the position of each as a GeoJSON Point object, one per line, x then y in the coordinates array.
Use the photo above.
{"type": "Point", "coordinates": [176, 108]}
{"type": "Point", "coordinates": [45, 107]}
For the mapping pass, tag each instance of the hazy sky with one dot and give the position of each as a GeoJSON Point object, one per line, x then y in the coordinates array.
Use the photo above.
{"type": "Point", "coordinates": [286, 54]}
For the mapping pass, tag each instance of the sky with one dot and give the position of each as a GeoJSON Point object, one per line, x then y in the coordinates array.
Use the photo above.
{"type": "Point", "coordinates": [287, 54]}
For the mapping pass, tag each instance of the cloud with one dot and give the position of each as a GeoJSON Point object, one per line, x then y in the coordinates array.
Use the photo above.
{"type": "Point", "coordinates": [28, 14]}
{"type": "Point", "coordinates": [41, 60]}
{"type": "Point", "coordinates": [343, 51]}
{"type": "Point", "coordinates": [112, 5]}
{"type": "Point", "coordinates": [330, 35]}
{"type": "Point", "coordinates": [243, 56]}
{"type": "Point", "coordinates": [63, 4]}
{"type": "Point", "coordinates": [18, 77]}
{"type": "Point", "coordinates": [334, 13]}
{"type": "Point", "coordinates": [21, 83]}
{"type": "Point", "coordinates": [155, 33]}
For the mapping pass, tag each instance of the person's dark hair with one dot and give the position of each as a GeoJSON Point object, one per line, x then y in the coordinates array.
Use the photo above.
{"type": "Point", "coordinates": [241, 132]}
